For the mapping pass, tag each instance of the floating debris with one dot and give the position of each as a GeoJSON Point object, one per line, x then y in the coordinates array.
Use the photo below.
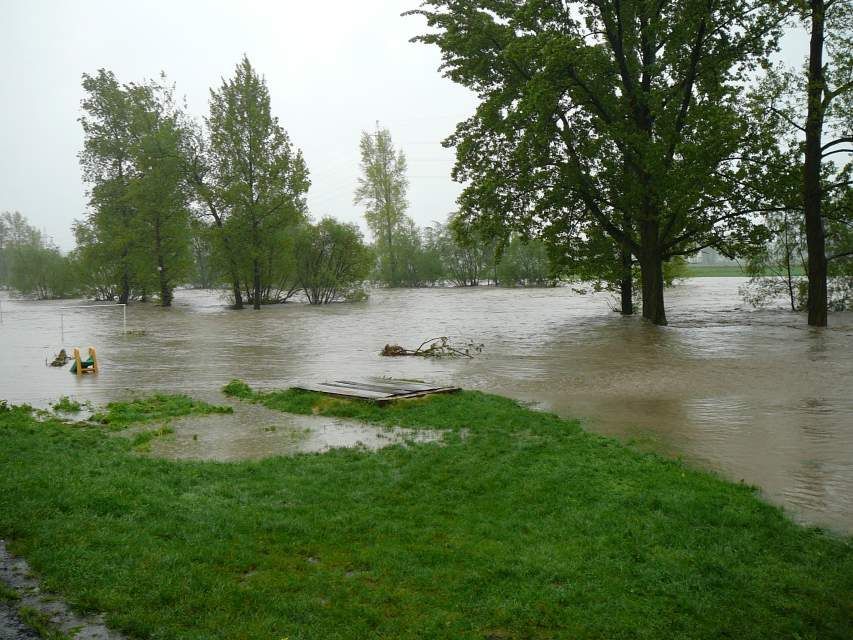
{"type": "Point", "coordinates": [60, 360]}
{"type": "Point", "coordinates": [439, 347]}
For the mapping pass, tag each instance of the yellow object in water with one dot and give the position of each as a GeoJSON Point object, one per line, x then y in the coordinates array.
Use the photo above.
{"type": "Point", "coordinates": [89, 365]}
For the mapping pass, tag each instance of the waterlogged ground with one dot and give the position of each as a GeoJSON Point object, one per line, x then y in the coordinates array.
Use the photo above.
{"type": "Point", "coordinates": [254, 432]}
{"type": "Point", "coordinates": [755, 395]}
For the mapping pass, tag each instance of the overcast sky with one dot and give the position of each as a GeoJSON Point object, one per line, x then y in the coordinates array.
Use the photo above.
{"type": "Point", "coordinates": [333, 70]}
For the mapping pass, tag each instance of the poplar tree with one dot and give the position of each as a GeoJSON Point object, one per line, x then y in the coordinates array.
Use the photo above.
{"type": "Point", "coordinates": [256, 176]}
{"type": "Point", "coordinates": [382, 189]}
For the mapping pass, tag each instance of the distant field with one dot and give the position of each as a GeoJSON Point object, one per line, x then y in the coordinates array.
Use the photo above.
{"type": "Point", "coordinates": [722, 271]}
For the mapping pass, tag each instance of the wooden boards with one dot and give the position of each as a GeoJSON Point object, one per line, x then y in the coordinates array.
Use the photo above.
{"type": "Point", "coordinates": [379, 390]}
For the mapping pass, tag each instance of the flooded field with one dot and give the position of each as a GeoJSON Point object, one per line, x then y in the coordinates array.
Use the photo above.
{"type": "Point", "coordinates": [254, 432]}
{"type": "Point", "coordinates": [755, 395]}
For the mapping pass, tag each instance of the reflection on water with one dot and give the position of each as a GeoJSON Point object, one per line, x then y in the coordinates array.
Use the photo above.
{"type": "Point", "coordinates": [756, 395]}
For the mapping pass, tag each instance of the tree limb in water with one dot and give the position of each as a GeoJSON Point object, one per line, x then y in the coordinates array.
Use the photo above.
{"type": "Point", "coordinates": [439, 347]}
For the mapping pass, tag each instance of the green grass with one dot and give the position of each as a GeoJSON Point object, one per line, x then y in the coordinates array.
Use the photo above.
{"type": "Point", "coordinates": [41, 623]}
{"type": "Point", "coordinates": [67, 405]}
{"type": "Point", "coordinates": [7, 594]}
{"type": "Point", "coordinates": [519, 525]}
{"type": "Point", "coordinates": [724, 271]}
{"type": "Point", "coordinates": [157, 407]}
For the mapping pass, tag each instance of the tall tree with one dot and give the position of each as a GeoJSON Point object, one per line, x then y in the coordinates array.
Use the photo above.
{"type": "Point", "coordinates": [255, 172]}
{"type": "Point", "coordinates": [137, 230]}
{"type": "Point", "coordinates": [107, 164]}
{"type": "Point", "coordinates": [620, 114]}
{"type": "Point", "coordinates": [157, 188]}
{"type": "Point", "coordinates": [382, 189]}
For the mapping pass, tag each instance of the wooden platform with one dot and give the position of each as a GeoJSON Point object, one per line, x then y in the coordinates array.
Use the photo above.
{"type": "Point", "coordinates": [379, 390]}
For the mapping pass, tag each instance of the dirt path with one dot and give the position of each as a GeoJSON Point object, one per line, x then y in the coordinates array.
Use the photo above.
{"type": "Point", "coordinates": [15, 574]}
{"type": "Point", "coordinates": [11, 627]}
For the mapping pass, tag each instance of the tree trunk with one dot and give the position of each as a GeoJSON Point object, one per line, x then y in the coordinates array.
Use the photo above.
{"type": "Point", "coordinates": [124, 293]}
{"type": "Point", "coordinates": [165, 290]}
{"type": "Point", "coordinates": [626, 283]}
{"type": "Point", "coordinates": [815, 237]}
{"type": "Point", "coordinates": [232, 265]}
{"type": "Point", "coordinates": [651, 272]}
{"type": "Point", "coordinates": [256, 284]}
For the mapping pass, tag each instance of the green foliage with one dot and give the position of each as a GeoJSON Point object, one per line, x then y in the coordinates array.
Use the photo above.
{"type": "Point", "coordinates": [7, 594]}
{"type": "Point", "coordinates": [41, 622]}
{"type": "Point", "coordinates": [237, 389]}
{"type": "Point", "coordinates": [157, 407]}
{"type": "Point", "coordinates": [525, 263]}
{"type": "Point", "coordinates": [332, 261]}
{"type": "Point", "coordinates": [467, 254]}
{"type": "Point", "coordinates": [207, 272]}
{"type": "Point", "coordinates": [382, 189]}
{"type": "Point", "coordinates": [612, 122]}
{"type": "Point", "coordinates": [30, 264]}
{"type": "Point", "coordinates": [67, 405]}
{"type": "Point", "coordinates": [518, 524]}
{"type": "Point", "coordinates": [253, 181]}
{"type": "Point", "coordinates": [420, 262]}
{"type": "Point", "coordinates": [136, 236]}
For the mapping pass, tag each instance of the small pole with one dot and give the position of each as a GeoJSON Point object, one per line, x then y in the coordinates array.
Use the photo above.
{"type": "Point", "coordinates": [62, 327]}
{"type": "Point", "coordinates": [124, 317]}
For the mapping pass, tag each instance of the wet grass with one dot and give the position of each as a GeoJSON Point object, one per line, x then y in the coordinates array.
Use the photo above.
{"type": "Point", "coordinates": [7, 594]}
{"type": "Point", "coordinates": [67, 405]}
{"type": "Point", "coordinates": [157, 407]}
{"type": "Point", "coordinates": [527, 527]}
{"type": "Point", "coordinates": [41, 623]}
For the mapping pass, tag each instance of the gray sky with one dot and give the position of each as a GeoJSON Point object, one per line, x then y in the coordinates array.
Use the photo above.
{"type": "Point", "coordinates": [333, 69]}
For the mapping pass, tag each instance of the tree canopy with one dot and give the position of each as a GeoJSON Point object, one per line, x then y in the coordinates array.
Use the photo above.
{"type": "Point", "coordinates": [604, 117]}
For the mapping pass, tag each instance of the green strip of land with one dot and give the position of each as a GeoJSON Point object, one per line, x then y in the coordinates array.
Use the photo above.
{"type": "Point", "coordinates": [518, 525]}
{"type": "Point", "coordinates": [726, 271]}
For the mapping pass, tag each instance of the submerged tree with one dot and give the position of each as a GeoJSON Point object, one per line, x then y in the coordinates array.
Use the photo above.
{"type": "Point", "coordinates": [251, 179]}
{"type": "Point", "coordinates": [137, 231]}
{"type": "Point", "coordinates": [623, 116]}
{"type": "Point", "coordinates": [382, 190]}
{"type": "Point", "coordinates": [829, 96]}
{"type": "Point", "coordinates": [31, 264]}
{"type": "Point", "coordinates": [107, 165]}
{"type": "Point", "coordinates": [332, 261]}
{"type": "Point", "coordinates": [468, 255]}
{"type": "Point", "coordinates": [525, 263]}
{"type": "Point", "coordinates": [804, 179]}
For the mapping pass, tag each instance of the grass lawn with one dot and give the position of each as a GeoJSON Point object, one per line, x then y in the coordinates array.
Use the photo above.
{"type": "Point", "coordinates": [724, 271]}
{"type": "Point", "coordinates": [519, 525]}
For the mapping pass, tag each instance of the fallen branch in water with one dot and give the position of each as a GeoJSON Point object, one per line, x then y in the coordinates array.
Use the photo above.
{"type": "Point", "coordinates": [439, 347]}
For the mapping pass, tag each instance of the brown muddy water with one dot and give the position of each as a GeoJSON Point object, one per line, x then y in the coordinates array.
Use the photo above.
{"type": "Point", "coordinates": [755, 395]}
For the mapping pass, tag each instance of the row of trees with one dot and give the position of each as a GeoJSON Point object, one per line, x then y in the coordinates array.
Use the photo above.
{"type": "Point", "coordinates": [173, 201]}
{"type": "Point", "coordinates": [30, 263]}
{"type": "Point", "coordinates": [632, 133]}
{"type": "Point", "coordinates": [224, 201]}
{"type": "Point", "coordinates": [411, 257]}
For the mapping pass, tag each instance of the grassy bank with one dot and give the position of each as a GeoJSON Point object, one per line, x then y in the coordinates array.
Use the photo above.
{"type": "Point", "coordinates": [724, 271]}
{"type": "Point", "coordinates": [518, 525]}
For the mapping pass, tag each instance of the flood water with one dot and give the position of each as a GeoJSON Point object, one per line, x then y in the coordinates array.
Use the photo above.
{"type": "Point", "coordinates": [754, 395]}
{"type": "Point", "coordinates": [254, 432]}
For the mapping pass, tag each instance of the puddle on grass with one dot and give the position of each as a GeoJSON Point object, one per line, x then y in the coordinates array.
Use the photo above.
{"type": "Point", "coordinates": [254, 432]}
